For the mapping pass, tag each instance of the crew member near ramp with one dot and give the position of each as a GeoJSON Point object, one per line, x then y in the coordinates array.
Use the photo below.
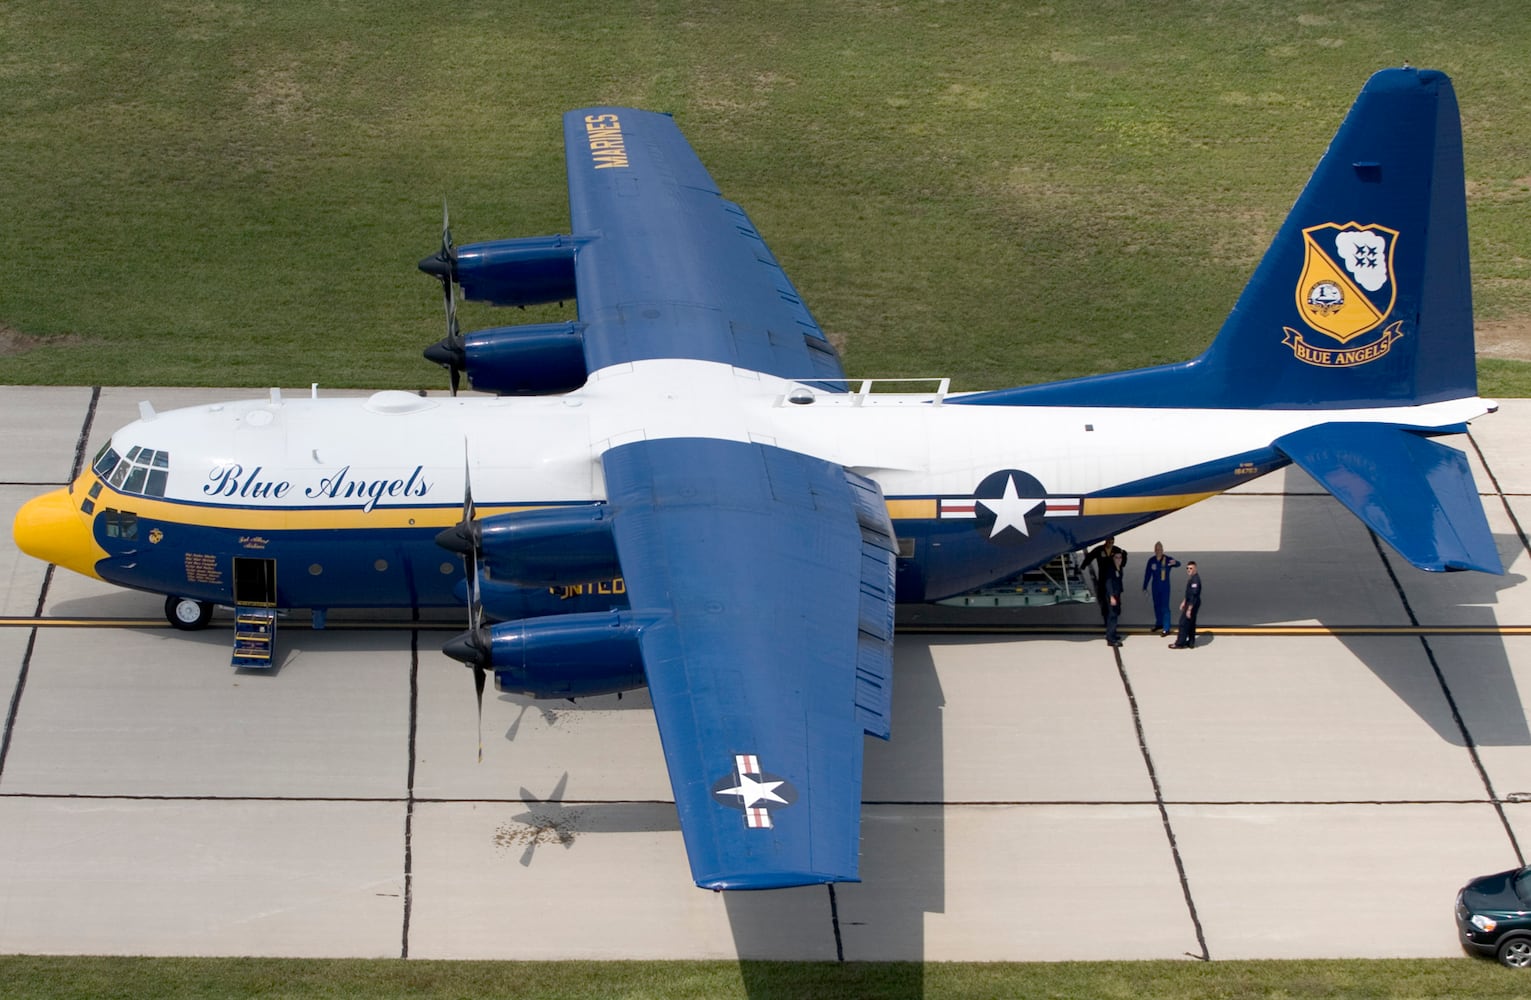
{"type": "Point", "coordinates": [1101, 563]}
{"type": "Point", "coordinates": [1156, 573]}
{"type": "Point", "coordinates": [1113, 588]}
{"type": "Point", "coordinates": [1189, 609]}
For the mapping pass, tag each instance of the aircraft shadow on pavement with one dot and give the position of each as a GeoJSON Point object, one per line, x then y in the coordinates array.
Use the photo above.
{"type": "Point", "coordinates": [1438, 691]}
{"type": "Point", "coordinates": [903, 852]}
{"type": "Point", "coordinates": [1328, 569]}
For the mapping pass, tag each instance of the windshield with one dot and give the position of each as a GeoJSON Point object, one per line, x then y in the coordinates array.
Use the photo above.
{"type": "Point", "coordinates": [144, 470]}
{"type": "Point", "coordinates": [1521, 883]}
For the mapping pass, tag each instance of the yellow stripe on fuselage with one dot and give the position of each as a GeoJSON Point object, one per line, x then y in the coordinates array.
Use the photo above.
{"type": "Point", "coordinates": [380, 517]}
{"type": "Point", "coordinates": [912, 510]}
{"type": "Point", "coordinates": [286, 518]}
{"type": "Point", "coordinates": [1142, 505]}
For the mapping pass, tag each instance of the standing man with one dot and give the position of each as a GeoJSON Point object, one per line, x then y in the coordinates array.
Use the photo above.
{"type": "Point", "coordinates": [1103, 565]}
{"type": "Point", "coordinates": [1114, 597]}
{"type": "Point", "coordinates": [1156, 573]}
{"type": "Point", "coordinates": [1189, 609]}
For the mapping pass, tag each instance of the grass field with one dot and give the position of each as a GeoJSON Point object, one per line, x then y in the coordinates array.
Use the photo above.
{"type": "Point", "coordinates": [27, 978]}
{"type": "Point", "coordinates": [236, 193]}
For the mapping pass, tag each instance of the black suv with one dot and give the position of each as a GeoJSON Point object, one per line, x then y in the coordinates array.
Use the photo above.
{"type": "Point", "coordinates": [1494, 916]}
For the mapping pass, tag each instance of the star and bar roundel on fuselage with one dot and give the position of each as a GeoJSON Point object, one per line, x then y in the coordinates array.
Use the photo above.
{"type": "Point", "coordinates": [1008, 506]}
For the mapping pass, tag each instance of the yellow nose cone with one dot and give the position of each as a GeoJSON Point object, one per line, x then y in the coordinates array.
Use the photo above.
{"type": "Point", "coordinates": [51, 528]}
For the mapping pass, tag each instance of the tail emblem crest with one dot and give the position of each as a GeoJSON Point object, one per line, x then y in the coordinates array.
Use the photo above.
{"type": "Point", "coordinates": [1346, 289]}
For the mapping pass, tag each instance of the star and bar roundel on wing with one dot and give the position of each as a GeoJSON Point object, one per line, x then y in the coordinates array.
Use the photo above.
{"type": "Point", "coordinates": [753, 790]}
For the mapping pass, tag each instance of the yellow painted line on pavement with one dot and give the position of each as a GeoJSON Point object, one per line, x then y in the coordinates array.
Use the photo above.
{"type": "Point", "coordinates": [912, 628]}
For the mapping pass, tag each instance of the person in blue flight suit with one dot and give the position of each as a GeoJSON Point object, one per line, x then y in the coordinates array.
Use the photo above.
{"type": "Point", "coordinates": [1190, 608]}
{"type": "Point", "coordinates": [1103, 565]}
{"type": "Point", "coordinates": [1156, 574]}
{"type": "Point", "coordinates": [1113, 592]}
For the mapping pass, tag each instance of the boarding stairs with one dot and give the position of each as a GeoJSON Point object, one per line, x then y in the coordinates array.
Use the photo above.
{"type": "Point", "coordinates": [254, 637]}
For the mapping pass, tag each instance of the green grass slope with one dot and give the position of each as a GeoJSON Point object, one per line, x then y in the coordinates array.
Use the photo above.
{"type": "Point", "coordinates": [173, 978]}
{"type": "Point", "coordinates": [237, 193]}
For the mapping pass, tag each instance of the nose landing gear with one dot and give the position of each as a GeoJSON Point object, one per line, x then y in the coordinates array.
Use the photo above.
{"type": "Point", "coordinates": [186, 614]}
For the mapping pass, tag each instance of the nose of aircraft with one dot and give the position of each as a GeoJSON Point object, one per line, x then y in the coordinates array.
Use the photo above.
{"type": "Point", "coordinates": [51, 528]}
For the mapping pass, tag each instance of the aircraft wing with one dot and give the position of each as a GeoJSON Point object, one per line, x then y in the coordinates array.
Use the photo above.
{"type": "Point", "coordinates": [1416, 494]}
{"type": "Point", "coordinates": [767, 576]}
{"type": "Point", "coordinates": [666, 267]}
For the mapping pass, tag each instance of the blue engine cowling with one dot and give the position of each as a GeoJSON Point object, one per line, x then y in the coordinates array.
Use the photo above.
{"type": "Point", "coordinates": [527, 271]}
{"type": "Point", "coordinates": [503, 602]}
{"type": "Point", "coordinates": [549, 546]}
{"type": "Point", "coordinates": [534, 359]}
{"type": "Point", "coordinates": [569, 656]}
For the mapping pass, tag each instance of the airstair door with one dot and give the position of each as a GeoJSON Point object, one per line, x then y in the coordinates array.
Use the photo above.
{"type": "Point", "coordinates": [254, 613]}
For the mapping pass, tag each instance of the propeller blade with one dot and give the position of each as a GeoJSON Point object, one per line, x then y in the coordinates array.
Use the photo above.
{"type": "Point", "coordinates": [449, 352]}
{"type": "Point", "coordinates": [443, 263]}
{"type": "Point", "coordinates": [473, 647]}
{"type": "Point", "coordinates": [479, 673]}
{"type": "Point", "coordinates": [480, 641]}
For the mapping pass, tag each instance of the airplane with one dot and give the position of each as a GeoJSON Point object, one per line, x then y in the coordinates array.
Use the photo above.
{"type": "Point", "coordinates": [681, 489]}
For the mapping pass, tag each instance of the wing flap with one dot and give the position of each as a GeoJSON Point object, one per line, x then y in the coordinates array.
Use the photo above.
{"type": "Point", "coordinates": [771, 652]}
{"type": "Point", "coordinates": [874, 620]}
{"type": "Point", "coordinates": [1418, 495]}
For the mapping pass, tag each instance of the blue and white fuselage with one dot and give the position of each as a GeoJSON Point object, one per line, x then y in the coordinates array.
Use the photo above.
{"type": "Point", "coordinates": [348, 494]}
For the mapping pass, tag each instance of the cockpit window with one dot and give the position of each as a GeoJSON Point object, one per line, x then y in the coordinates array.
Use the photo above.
{"type": "Point", "coordinates": [144, 471]}
{"type": "Point", "coordinates": [106, 460]}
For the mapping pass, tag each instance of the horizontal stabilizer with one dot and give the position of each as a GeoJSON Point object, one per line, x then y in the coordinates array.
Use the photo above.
{"type": "Point", "coordinates": [1417, 495]}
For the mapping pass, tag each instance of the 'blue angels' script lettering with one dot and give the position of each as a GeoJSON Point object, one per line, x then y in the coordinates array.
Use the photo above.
{"type": "Point", "coordinates": [231, 480]}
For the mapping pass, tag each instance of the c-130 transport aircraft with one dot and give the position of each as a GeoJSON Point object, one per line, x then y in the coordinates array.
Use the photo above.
{"type": "Point", "coordinates": [693, 435]}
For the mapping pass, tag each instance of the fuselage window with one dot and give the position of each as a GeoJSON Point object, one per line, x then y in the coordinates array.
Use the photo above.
{"type": "Point", "coordinates": [120, 524]}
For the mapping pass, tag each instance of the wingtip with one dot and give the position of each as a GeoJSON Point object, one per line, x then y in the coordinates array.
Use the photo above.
{"type": "Point", "coordinates": [753, 881]}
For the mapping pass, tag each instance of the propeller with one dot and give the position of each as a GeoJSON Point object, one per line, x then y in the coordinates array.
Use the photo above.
{"type": "Point", "coordinates": [472, 647]}
{"type": "Point", "coordinates": [449, 352]}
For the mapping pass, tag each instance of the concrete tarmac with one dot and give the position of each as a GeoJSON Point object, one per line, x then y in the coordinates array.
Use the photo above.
{"type": "Point", "coordinates": [1346, 747]}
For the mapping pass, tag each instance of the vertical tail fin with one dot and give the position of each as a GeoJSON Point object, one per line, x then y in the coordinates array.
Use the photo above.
{"type": "Point", "coordinates": [1363, 298]}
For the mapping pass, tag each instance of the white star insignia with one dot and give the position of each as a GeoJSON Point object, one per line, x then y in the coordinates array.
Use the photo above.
{"type": "Point", "coordinates": [1010, 510]}
{"type": "Point", "coordinates": [752, 791]}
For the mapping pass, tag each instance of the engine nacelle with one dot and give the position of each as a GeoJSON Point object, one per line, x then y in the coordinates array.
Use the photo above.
{"type": "Point", "coordinates": [519, 272]}
{"type": "Point", "coordinates": [569, 656]}
{"type": "Point", "coordinates": [503, 602]}
{"type": "Point", "coordinates": [535, 359]}
{"type": "Point", "coordinates": [550, 546]}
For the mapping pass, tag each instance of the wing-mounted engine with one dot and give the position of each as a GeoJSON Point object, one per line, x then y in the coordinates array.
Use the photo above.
{"type": "Point", "coordinates": [560, 656]}
{"type": "Point", "coordinates": [544, 547]}
{"type": "Point", "coordinates": [552, 655]}
{"type": "Point", "coordinates": [528, 360]}
{"type": "Point", "coordinates": [534, 359]}
{"type": "Point", "coordinates": [528, 271]}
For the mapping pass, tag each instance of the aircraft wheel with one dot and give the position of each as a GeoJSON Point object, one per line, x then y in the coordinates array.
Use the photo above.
{"type": "Point", "coordinates": [186, 614]}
